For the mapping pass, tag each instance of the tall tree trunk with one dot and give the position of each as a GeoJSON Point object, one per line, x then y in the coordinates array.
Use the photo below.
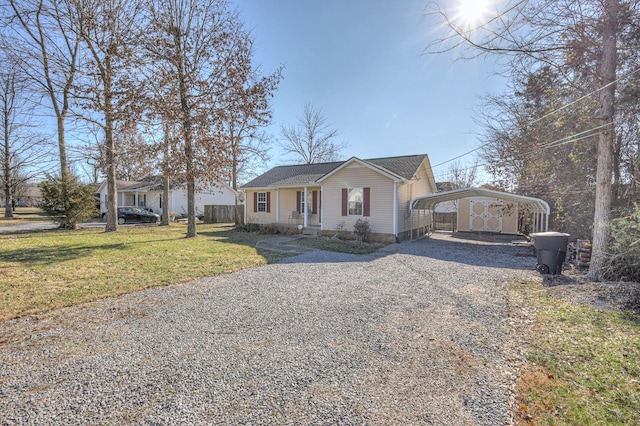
{"type": "Point", "coordinates": [164, 220]}
{"type": "Point", "coordinates": [112, 204]}
{"type": "Point", "coordinates": [234, 173]}
{"type": "Point", "coordinates": [191, 213]}
{"type": "Point", "coordinates": [62, 147]}
{"type": "Point", "coordinates": [191, 185]}
{"type": "Point", "coordinates": [606, 74]}
{"type": "Point", "coordinates": [634, 190]}
{"type": "Point", "coordinates": [187, 133]}
{"type": "Point", "coordinates": [6, 165]}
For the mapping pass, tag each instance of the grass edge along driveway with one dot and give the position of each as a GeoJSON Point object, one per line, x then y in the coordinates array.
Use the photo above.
{"type": "Point", "coordinates": [40, 271]}
{"type": "Point", "coordinates": [583, 363]}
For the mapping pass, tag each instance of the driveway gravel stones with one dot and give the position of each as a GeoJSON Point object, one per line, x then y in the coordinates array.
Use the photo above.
{"type": "Point", "coordinates": [415, 334]}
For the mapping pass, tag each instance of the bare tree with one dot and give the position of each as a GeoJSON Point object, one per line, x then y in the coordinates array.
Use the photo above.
{"type": "Point", "coordinates": [554, 162]}
{"type": "Point", "coordinates": [24, 152]}
{"type": "Point", "coordinates": [462, 177]}
{"type": "Point", "coordinates": [107, 30]}
{"type": "Point", "coordinates": [135, 157]}
{"type": "Point", "coordinates": [243, 113]}
{"type": "Point", "coordinates": [42, 36]}
{"type": "Point", "coordinates": [312, 139]}
{"type": "Point", "coordinates": [578, 38]}
{"type": "Point", "coordinates": [195, 45]}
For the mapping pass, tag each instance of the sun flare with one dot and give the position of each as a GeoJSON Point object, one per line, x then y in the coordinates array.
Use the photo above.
{"type": "Point", "coordinates": [472, 13]}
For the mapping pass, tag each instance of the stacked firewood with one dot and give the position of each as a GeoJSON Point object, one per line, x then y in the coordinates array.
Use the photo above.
{"type": "Point", "coordinates": [580, 253]}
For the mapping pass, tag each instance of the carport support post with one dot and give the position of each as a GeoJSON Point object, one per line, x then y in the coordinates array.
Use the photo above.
{"type": "Point", "coordinates": [547, 223]}
{"type": "Point", "coordinates": [411, 214]}
{"type": "Point", "coordinates": [539, 222]}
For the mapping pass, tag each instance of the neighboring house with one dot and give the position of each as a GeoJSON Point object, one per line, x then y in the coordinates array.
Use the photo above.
{"type": "Point", "coordinates": [333, 196]}
{"type": "Point", "coordinates": [28, 195]}
{"type": "Point", "coordinates": [147, 193]}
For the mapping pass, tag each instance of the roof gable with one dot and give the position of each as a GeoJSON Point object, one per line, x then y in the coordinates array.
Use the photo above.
{"type": "Point", "coordinates": [405, 166]}
{"type": "Point", "coordinates": [396, 168]}
{"type": "Point", "coordinates": [366, 164]}
{"type": "Point", "coordinates": [296, 175]}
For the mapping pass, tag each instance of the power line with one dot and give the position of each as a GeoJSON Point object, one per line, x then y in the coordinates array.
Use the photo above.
{"type": "Point", "coordinates": [563, 107]}
{"type": "Point", "coordinates": [586, 134]}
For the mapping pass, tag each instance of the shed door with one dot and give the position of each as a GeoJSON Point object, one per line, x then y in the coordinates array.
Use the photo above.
{"type": "Point", "coordinates": [486, 216]}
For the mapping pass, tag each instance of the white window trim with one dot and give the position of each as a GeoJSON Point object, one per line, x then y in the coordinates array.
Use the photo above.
{"type": "Point", "coordinates": [263, 202]}
{"type": "Point", "coordinates": [361, 201]}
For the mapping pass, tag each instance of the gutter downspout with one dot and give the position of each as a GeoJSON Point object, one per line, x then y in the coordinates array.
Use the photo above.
{"type": "Point", "coordinates": [277, 205]}
{"type": "Point", "coordinates": [395, 210]}
{"type": "Point", "coordinates": [321, 207]}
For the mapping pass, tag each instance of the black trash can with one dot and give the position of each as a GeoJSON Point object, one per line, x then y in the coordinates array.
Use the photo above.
{"type": "Point", "coordinates": [551, 248]}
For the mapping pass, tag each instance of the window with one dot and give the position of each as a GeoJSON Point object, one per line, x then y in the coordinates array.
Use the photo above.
{"type": "Point", "coordinates": [262, 201]}
{"type": "Point", "coordinates": [355, 201]}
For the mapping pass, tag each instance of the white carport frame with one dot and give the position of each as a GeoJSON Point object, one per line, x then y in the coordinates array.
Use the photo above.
{"type": "Point", "coordinates": [540, 208]}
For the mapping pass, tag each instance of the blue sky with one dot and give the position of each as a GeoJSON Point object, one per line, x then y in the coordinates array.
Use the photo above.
{"type": "Point", "coordinates": [363, 63]}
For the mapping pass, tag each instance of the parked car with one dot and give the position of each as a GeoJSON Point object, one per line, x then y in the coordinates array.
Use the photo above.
{"type": "Point", "coordinates": [136, 214]}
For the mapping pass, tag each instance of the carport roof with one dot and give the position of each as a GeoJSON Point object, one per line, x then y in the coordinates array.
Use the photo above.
{"type": "Point", "coordinates": [428, 202]}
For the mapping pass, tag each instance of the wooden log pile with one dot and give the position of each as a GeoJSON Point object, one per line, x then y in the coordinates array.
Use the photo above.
{"type": "Point", "coordinates": [580, 253]}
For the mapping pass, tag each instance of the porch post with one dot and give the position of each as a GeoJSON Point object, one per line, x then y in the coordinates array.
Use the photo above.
{"type": "Point", "coordinates": [277, 205]}
{"type": "Point", "coordinates": [306, 206]}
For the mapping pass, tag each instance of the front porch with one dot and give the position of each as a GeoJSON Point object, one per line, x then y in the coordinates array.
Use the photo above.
{"type": "Point", "coordinates": [299, 206]}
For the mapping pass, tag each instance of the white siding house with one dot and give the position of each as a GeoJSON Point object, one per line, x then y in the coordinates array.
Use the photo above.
{"type": "Point", "coordinates": [148, 193]}
{"type": "Point", "coordinates": [333, 196]}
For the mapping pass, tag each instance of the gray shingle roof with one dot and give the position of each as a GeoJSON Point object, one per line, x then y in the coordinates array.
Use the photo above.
{"type": "Point", "coordinates": [405, 166]}
{"type": "Point", "coordinates": [304, 174]}
{"type": "Point", "coordinates": [299, 174]}
{"type": "Point", "coordinates": [149, 183]}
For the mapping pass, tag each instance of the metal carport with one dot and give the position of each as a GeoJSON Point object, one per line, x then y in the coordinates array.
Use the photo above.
{"type": "Point", "coordinates": [539, 208]}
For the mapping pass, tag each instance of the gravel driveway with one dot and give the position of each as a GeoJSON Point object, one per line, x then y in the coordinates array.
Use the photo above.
{"type": "Point", "coordinates": [417, 334]}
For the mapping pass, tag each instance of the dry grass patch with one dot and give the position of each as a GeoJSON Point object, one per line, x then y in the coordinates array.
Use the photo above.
{"type": "Point", "coordinates": [338, 245]}
{"type": "Point", "coordinates": [23, 215]}
{"type": "Point", "coordinates": [584, 363]}
{"type": "Point", "coordinates": [45, 270]}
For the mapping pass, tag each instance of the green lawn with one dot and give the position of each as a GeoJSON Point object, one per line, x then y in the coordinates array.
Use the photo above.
{"type": "Point", "coordinates": [23, 215]}
{"type": "Point", "coordinates": [584, 364]}
{"type": "Point", "coordinates": [40, 271]}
